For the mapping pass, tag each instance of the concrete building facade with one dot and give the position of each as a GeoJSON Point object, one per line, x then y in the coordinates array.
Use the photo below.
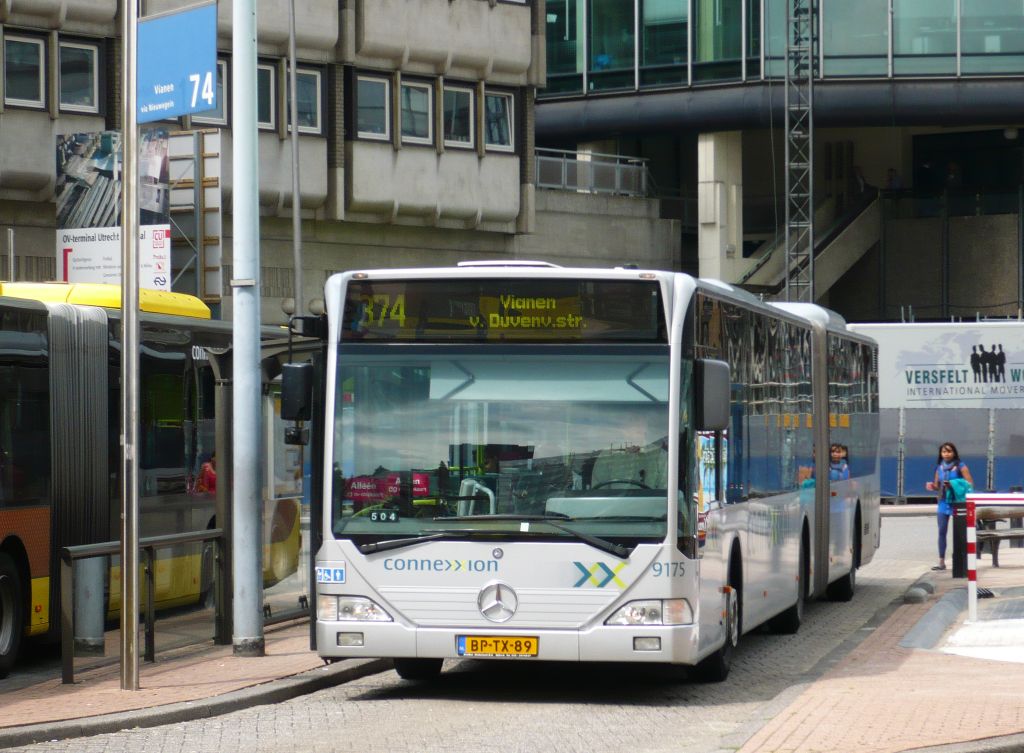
{"type": "Point", "coordinates": [415, 129]}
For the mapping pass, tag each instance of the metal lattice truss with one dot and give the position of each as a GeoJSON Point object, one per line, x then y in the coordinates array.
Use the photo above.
{"type": "Point", "coordinates": [801, 43]}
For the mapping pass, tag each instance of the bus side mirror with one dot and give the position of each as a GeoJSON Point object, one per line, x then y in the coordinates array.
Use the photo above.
{"type": "Point", "coordinates": [711, 394]}
{"type": "Point", "coordinates": [297, 391]}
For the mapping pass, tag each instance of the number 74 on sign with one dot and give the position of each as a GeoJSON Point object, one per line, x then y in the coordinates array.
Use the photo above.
{"type": "Point", "coordinates": [177, 63]}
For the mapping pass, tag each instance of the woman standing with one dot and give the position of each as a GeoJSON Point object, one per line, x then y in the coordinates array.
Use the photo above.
{"type": "Point", "coordinates": [948, 467]}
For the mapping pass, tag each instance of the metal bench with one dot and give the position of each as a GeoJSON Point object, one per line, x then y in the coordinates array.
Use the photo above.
{"type": "Point", "coordinates": [992, 536]}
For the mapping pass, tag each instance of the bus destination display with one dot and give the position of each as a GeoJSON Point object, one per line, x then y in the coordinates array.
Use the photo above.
{"type": "Point", "coordinates": [478, 310]}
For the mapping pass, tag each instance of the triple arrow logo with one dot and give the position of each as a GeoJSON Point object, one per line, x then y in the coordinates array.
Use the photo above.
{"type": "Point", "coordinates": [599, 575]}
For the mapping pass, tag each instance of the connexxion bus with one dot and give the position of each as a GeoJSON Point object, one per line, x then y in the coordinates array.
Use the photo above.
{"type": "Point", "coordinates": [583, 465]}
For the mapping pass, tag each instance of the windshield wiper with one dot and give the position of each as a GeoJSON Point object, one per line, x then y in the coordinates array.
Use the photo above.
{"type": "Point", "coordinates": [625, 518]}
{"type": "Point", "coordinates": [383, 546]}
{"type": "Point", "coordinates": [616, 550]}
{"type": "Point", "coordinates": [545, 516]}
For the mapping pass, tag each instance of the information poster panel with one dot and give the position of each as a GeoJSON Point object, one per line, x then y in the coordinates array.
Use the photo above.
{"type": "Point", "coordinates": [88, 195]}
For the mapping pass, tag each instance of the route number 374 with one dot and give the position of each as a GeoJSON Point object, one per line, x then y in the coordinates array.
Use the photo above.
{"type": "Point", "coordinates": [203, 82]}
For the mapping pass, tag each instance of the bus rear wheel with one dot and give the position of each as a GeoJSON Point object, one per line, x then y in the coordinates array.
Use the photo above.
{"type": "Point", "coordinates": [843, 589]}
{"type": "Point", "coordinates": [12, 617]}
{"type": "Point", "coordinates": [418, 669]}
{"type": "Point", "coordinates": [788, 622]}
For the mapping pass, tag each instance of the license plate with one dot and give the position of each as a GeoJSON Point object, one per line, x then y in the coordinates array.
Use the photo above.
{"type": "Point", "coordinates": [495, 645]}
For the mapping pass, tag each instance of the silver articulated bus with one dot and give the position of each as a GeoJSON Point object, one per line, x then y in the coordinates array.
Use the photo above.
{"type": "Point", "coordinates": [531, 462]}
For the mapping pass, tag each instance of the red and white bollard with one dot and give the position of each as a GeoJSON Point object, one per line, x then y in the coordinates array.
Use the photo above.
{"type": "Point", "coordinates": [972, 564]}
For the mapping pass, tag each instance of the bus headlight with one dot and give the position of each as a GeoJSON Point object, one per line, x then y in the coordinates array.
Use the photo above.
{"type": "Point", "coordinates": [330, 608]}
{"type": "Point", "coordinates": [653, 612]}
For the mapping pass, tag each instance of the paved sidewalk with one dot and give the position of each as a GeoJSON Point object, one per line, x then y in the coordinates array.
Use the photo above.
{"type": "Point", "coordinates": [885, 697]}
{"type": "Point", "coordinates": [900, 689]}
{"type": "Point", "coordinates": [187, 683]}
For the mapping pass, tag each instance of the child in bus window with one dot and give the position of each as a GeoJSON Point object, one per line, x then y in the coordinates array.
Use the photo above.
{"type": "Point", "coordinates": [838, 470]}
{"type": "Point", "coordinates": [208, 475]}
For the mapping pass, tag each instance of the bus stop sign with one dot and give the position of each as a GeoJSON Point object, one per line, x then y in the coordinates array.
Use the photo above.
{"type": "Point", "coordinates": [177, 63]}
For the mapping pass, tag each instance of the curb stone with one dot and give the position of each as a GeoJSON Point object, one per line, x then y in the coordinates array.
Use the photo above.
{"type": "Point", "coordinates": [275, 691]}
{"type": "Point", "coordinates": [933, 625]}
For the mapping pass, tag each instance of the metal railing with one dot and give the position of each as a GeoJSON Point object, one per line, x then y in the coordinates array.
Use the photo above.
{"type": "Point", "coordinates": [70, 554]}
{"type": "Point", "coordinates": [592, 173]}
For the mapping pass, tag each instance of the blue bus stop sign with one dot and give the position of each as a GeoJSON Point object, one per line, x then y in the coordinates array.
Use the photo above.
{"type": "Point", "coordinates": [177, 63]}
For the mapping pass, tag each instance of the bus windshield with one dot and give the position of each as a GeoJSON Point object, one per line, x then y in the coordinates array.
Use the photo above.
{"type": "Point", "coordinates": [510, 442]}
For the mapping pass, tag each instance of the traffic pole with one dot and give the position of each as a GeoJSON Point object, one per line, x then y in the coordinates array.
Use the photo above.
{"type": "Point", "coordinates": [247, 430]}
{"type": "Point", "coordinates": [129, 352]}
{"type": "Point", "coordinates": [972, 564]}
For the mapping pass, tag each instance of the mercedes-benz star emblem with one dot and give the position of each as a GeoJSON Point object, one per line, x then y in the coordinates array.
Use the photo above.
{"type": "Point", "coordinates": [497, 602]}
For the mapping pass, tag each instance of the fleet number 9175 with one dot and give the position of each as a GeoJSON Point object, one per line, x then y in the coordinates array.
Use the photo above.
{"type": "Point", "coordinates": [668, 569]}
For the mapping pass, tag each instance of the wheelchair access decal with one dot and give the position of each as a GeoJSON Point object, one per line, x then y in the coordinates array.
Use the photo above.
{"type": "Point", "coordinates": [599, 575]}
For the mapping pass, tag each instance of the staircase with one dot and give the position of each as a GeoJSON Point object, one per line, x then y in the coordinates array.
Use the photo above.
{"type": "Point", "coordinates": [845, 240]}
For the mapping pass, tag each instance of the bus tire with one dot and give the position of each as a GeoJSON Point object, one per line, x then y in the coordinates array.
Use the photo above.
{"type": "Point", "coordinates": [12, 613]}
{"type": "Point", "coordinates": [843, 589]}
{"type": "Point", "coordinates": [418, 669]}
{"type": "Point", "coordinates": [715, 668]}
{"type": "Point", "coordinates": [788, 622]}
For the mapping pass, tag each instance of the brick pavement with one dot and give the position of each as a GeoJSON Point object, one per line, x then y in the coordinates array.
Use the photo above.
{"type": "Point", "coordinates": [187, 674]}
{"type": "Point", "coordinates": [882, 698]}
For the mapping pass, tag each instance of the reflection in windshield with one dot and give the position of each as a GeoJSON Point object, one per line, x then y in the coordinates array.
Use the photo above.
{"type": "Point", "coordinates": [491, 439]}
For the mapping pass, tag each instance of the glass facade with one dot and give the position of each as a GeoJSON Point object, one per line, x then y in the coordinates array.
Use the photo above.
{"type": "Point", "coordinates": [664, 30]}
{"type": "Point", "coordinates": [565, 46]}
{"type": "Point", "coordinates": [602, 45]}
{"type": "Point", "coordinates": [612, 56]}
{"type": "Point", "coordinates": [924, 37]}
{"type": "Point", "coordinates": [991, 36]}
{"type": "Point", "coordinates": [855, 37]}
{"type": "Point", "coordinates": [718, 39]}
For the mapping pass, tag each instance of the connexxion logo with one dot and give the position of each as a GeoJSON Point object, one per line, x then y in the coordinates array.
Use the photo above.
{"type": "Point", "coordinates": [599, 575]}
{"type": "Point", "coordinates": [408, 564]}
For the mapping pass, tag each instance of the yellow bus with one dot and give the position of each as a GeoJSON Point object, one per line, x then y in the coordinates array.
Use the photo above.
{"type": "Point", "coordinates": [60, 452]}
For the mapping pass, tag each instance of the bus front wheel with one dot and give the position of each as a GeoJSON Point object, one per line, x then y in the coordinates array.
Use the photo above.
{"type": "Point", "coordinates": [12, 616]}
{"type": "Point", "coordinates": [715, 668]}
{"type": "Point", "coordinates": [418, 669]}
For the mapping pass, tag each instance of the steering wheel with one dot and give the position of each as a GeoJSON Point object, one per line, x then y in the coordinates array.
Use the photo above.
{"type": "Point", "coordinates": [629, 481]}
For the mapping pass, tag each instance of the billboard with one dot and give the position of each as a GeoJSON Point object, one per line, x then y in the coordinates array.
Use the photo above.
{"type": "Point", "coordinates": [949, 365]}
{"type": "Point", "coordinates": [88, 195]}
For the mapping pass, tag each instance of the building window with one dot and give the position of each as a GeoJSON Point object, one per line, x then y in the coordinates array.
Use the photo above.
{"type": "Point", "coordinates": [612, 44]}
{"type": "Point", "coordinates": [663, 29]}
{"type": "Point", "coordinates": [856, 38]}
{"type": "Point", "coordinates": [565, 45]}
{"type": "Point", "coordinates": [373, 108]}
{"type": "Point", "coordinates": [216, 116]}
{"type": "Point", "coordinates": [79, 77]}
{"type": "Point", "coordinates": [307, 84]}
{"type": "Point", "coordinates": [992, 36]}
{"type": "Point", "coordinates": [416, 121]}
{"type": "Point", "coordinates": [718, 40]}
{"type": "Point", "coordinates": [265, 93]}
{"type": "Point", "coordinates": [498, 122]}
{"type": "Point", "coordinates": [924, 37]}
{"type": "Point", "coordinates": [458, 116]}
{"type": "Point", "coordinates": [23, 71]}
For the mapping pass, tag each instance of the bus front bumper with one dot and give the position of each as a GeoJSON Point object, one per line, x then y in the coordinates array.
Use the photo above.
{"type": "Point", "coordinates": [675, 644]}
